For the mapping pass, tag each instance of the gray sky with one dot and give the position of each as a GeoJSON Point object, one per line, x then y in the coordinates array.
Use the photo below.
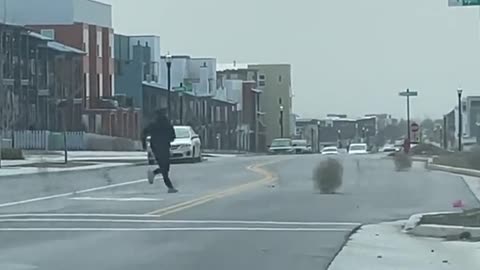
{"type": "Point", "coordinates": [347, 56]}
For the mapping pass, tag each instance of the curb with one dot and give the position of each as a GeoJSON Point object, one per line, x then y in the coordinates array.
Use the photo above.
{"type": "Point", "coordinates": [445, 231]}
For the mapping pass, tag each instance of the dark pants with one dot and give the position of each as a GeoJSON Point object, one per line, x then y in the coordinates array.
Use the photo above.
{"type": "Point", "coordinates": [162, 155]}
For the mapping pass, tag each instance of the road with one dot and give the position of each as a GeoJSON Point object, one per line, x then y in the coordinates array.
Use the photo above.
{"type": "Point", "coordinates": [231, 213]}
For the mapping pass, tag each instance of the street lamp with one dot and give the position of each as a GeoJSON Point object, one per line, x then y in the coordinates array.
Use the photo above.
{"type": "Point", "coordinates": [460, 118]}
{"type": "Point", "coordinates": [318, 136]}
{"type": "Point", "coordinates": [339, 134]}
{"type": "Point", "coordinates": [281, 121]}
{"type": "Point", "coordinates": [168, 59]}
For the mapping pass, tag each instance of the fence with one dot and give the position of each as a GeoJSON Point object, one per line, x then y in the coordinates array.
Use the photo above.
{"type": "Point", "coordinates": [46, 140]}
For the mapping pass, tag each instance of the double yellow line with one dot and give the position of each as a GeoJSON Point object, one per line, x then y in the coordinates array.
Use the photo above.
{"type": "Point", "coordinates": [268, 178]}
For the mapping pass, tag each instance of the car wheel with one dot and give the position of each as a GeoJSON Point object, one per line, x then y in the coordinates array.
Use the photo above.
{"type": "Point", "coordinates": [199, 158]}
{"type": "Point", "coordinates": [151, 162]}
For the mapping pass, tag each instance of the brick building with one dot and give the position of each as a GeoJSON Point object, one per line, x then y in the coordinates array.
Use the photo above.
{"type": "Point", "coordinates": [87, 26]}
{"type": "Point", "coordinates": [40, 81]}
{"type": "Point", "coordinates": [213, 119]}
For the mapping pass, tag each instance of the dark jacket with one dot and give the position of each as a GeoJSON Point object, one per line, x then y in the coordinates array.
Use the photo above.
{"type": "Point", "coordinates": [161, 133]}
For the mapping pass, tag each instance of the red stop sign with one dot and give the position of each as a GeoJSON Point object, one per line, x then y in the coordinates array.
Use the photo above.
{"type": "Point", "coordinates": [415, 127]}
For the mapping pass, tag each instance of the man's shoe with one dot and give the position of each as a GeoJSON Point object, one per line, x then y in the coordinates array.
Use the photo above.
{"type": "Point", "coordinates": [150, 176]}
{"type": "Point", "coordinates": [172, 190]}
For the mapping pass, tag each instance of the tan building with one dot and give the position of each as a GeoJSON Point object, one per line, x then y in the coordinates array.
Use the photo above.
{"type": "Point", "coordinates": [275, 82]}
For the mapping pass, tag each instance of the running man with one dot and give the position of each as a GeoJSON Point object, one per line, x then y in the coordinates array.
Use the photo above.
{"type": "Point", "coordinates": [161, 134]}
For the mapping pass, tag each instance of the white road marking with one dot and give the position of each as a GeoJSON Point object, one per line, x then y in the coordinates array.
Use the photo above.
{"type": "Point", "coordinates": [63, 195]}
{"type": "Point", "coordinates": [116, 199]}
{"type": "Point", "coordinates": [76, 215]}
{"type": "Point", "coordinates": [159, 221]}
{"type": "Point", "coordinates": [49, 229]}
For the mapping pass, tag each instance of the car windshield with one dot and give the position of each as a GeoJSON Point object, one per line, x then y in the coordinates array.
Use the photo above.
{"type": "Point", "coordinates": [330, 150]}
{"type": "Point", "coordinates": [281, 143]}
{"type": "Point", "coordinates": [358, 148]}
{"type": "Point", "coordinates": [182, 133]}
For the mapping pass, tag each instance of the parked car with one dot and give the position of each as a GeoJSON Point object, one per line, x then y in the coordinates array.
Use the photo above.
{"type": "Point", "coordinates": [301, 147]}
{"type": "Point", "coordinates": [186, 146]}
{"type": "Point", "coordinates": [388, 148]}
{"type": "Point", "coordinates": [281, 146]}
{"type": "Point", "coordinates": [358, 149]}
{"type": "Point", "coordinates": [330, 150]}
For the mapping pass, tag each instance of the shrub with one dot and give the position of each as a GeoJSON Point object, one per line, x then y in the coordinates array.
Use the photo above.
{"type": "Point", "coordinates": [8, 153]}
{"type": "Point", "coordinates": [327, 176]}
{"type": "Point", "coordinates": [402, 161]}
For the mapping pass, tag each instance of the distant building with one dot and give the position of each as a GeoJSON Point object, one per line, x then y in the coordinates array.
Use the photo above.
{"type": "Point", "coordinates": [135, 62]}
{"type": "Point", "coordinates": [240, 85]}
{"type": "Point", "coordinates": [197, 75]}
{"type": "Point", "coordinates": [275, 82]}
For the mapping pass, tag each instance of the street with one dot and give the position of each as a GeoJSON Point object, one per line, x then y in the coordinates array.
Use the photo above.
{"type": "Point", "coordinates": [245, 212]}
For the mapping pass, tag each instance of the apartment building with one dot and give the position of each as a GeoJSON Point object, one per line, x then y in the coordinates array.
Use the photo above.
{"type": "Point", "coordinates": [85, 25]}
{"type": "Point", "coordinates": [275, 82]}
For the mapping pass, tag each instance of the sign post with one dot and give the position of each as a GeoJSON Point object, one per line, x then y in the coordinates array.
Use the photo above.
{"type": "Point", "coordinates": [408, 94]}
{"type": "Point", "coordinates": [414, 129]}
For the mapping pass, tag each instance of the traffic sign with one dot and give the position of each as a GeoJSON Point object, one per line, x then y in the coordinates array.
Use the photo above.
{"type": "Point", "coordinates": [179, 89]}
{"type": "Point", "coordinates": [415, 127]}
{"type": "Point", "coordinates": [463, 3]}
{"type": "Point", "coordinates": [409, 93]}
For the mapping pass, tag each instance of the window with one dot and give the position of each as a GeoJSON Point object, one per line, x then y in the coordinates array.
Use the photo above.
{"type": "Point", "coordinates": [87, 84]}
{"type": "Point", "coordinates": [99, 44]}
{"type": "Point", "coordinates": [280, 78]}
{"type": "Point", "coordinates": [112, 85]}
{"type": "Point", "coordinates": [85, 40]}
{"type": "Point", "coordinates": [100, 84]}
{"type": "Point", "coordinates": [50, 33]}
{"type": "Point", "coordinates": [261, 80]}
{"type": "Point", "coordinates": [218, 115]}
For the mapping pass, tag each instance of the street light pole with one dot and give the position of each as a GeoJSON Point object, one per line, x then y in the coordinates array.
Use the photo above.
{"type": "Point", "coordinates": [318, 136]}
{"type": "Point", "coordinates": [169, 67]}
{"type": "Point", "coordinates": [460, 119]}
{"type": "Point", "coordinates": [445, 133]}
{"type": "Point", "coordinates": [281, 121]}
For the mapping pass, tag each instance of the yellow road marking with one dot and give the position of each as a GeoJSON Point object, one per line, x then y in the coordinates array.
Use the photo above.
{"type": "Point", "coordinates": [268, 177]}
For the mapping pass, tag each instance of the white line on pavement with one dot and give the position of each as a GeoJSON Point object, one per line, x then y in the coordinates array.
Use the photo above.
{"type": "Point", "coordinates": [180, 221]}
{"type": "Point", "coordinates": [49, 229]}
{"type": "Point", "coordinates": [115, 199]}
{"type": "Point", "coordinates": [62, 195]}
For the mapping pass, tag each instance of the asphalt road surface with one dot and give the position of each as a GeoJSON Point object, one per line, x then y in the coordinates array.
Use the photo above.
{"type": "Point", "coordinates": [231, 213]}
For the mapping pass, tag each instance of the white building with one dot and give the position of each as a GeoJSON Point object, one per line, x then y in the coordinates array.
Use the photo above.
{"type": "Point", "coordinates": [31, 12]}
{"type": "Point", "coordinates": [154, 43]}
{"type": "Point", "coordinates": [196, 74]}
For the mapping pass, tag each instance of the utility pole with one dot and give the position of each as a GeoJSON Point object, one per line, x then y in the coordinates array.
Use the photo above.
{"type": "Point", "coordinates": [2, 88]}
{"type": "Point", "coordinates": [460, 119]}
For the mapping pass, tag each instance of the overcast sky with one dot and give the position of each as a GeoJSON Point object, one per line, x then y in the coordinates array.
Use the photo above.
{"type": "Point", "coordinates": [347, 56]}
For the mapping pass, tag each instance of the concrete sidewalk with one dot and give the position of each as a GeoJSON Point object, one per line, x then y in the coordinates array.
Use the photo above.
{"type": "Point", "coordinates": [385, 246]}
{"type": "Point", "coordinates": [26, 170]}
{"type": "Point", "coordinates": [32, 157]}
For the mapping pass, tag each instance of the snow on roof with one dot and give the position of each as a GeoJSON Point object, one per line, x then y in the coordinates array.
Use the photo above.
{"type": "Point", "coordinates": [57, 46]}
